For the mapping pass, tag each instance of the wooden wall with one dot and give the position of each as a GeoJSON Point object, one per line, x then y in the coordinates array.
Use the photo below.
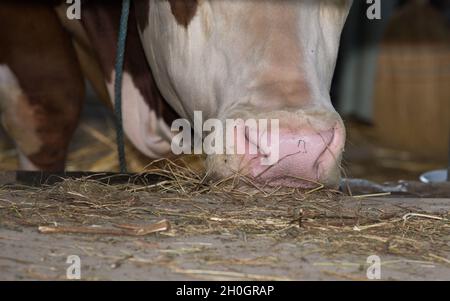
{"type": "Point", "coordinates": [412, 86]}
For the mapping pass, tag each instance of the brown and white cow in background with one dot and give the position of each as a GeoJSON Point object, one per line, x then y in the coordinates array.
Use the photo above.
{"type": "Point", "coordinates": [271, 59]}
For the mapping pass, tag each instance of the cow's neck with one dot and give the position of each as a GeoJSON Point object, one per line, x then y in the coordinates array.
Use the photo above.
{"type": "Point", "coordinates": [101, 23]}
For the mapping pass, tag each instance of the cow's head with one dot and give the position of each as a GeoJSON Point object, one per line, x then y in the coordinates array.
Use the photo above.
{"type": "Point", "coordinates": [271, 59]}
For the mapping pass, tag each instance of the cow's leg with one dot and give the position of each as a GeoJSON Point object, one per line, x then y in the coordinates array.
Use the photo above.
{"type": "Point", "coordinates": [41, 84]}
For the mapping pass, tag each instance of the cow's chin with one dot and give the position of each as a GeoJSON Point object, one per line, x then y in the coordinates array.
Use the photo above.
{"type": "Point", "coordinates": [232, 167]}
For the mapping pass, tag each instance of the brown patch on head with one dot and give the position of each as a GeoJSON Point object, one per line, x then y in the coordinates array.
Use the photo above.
{"type": "Point", "coordinates": [184, 10]}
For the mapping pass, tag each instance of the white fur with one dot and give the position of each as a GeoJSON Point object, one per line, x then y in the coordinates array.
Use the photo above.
{"type": "Point", "coordinates": [11, 96]}
{"type": "Point", "coordinates": [25, 163]}
{"type": "Point", "coordinates": [147, 132]}
{"type": "Point", "coordinates": [9, 86]}
{"type": "Point", "coordinates": [214, 63]}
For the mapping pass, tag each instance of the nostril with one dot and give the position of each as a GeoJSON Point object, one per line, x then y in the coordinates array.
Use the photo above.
{"type": "Point", "coordinates": [302, 146]}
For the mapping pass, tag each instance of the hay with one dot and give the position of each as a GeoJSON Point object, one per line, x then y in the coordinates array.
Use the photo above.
{"type": "Point", "coordinates": [195, 205]}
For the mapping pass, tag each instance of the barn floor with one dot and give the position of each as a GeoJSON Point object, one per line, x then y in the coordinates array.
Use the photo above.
{"type": "Point", "coordinates": [218, 231]}
{"type": "Point", "coordinates": [28, 256]}
{"type": "Point", "coordinates": [218, 236]}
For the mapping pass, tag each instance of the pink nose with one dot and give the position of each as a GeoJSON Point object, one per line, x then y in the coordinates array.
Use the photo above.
{"type": "Point", "coordinates": [306, 158]}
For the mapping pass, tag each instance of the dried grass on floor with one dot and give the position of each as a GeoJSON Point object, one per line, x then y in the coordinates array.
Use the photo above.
{"type": "Point", "coordinates": [196, 206]}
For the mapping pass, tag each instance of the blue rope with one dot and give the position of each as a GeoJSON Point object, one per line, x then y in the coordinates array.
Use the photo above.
{"type": "Point", "coordinates": [118, 84]}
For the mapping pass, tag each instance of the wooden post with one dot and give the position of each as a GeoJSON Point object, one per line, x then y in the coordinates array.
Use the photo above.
{"type": "Point", "coordinates": [411, 101]}
{"type": "Point", "coordinates": [448, 168]}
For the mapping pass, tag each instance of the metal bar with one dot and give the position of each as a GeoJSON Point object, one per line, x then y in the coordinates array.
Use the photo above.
{"type": "Point", "coordinates": [448, 168]}
{"type": "Point", "coordinates": [397, 189]}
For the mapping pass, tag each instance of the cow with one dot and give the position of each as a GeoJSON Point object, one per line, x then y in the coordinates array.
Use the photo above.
{"type": "Point", "coordinates": [260, 59]}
